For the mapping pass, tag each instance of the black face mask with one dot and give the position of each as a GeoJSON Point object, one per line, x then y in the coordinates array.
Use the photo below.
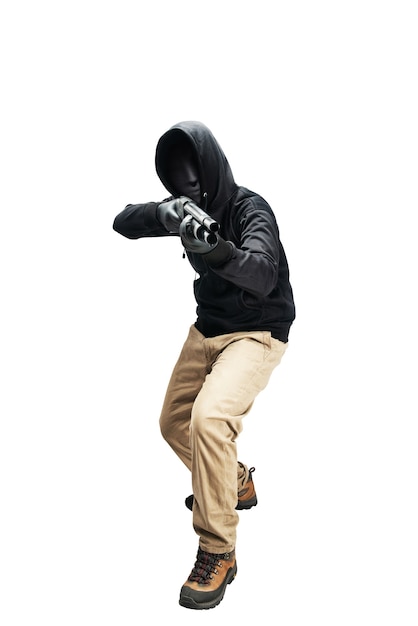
{"type": "Point", "coordinates": [183, 173]}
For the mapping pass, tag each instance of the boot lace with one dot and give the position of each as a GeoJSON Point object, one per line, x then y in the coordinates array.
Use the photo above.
{"type": "Point", "coordinates": [206, 565]}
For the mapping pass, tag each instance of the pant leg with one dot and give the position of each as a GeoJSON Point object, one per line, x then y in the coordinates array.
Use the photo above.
{"type": "Point", "coordinates": [242, 365]}
{"type": "Point", "coordinates": [185, 383]}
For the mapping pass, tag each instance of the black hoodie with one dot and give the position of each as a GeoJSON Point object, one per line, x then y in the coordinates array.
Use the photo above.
{"type": "Point", "coordinates": [250, 290]}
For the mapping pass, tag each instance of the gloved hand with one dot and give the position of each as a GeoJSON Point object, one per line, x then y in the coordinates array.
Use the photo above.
{"type": "Point", "coordinates": [170, 214]}
{"type": "Point", "coordinates": [195, 238]}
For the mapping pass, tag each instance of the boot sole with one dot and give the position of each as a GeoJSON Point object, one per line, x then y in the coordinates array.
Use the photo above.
{"type": "Point", "coordinates": [241, 506]}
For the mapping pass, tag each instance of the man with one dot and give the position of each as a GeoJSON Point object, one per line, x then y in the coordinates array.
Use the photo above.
{"type": "Point", "coordinates": [245, 310]}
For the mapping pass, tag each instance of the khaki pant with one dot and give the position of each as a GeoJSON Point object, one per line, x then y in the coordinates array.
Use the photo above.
{"type": "Point", "coordinates": [212, 387]}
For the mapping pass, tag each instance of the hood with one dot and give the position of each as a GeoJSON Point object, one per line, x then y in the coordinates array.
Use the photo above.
{"type": "Point", "coordinates": [216, 181]}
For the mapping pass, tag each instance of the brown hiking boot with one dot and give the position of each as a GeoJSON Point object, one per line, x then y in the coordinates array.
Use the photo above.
{"type": "Point", "coordinates": [247, 496]}
{"type": "Point", "coordinates": [205, 587]}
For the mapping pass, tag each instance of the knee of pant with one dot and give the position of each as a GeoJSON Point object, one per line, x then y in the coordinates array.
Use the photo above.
{"type": "Point", "coordinates": [208, 420]}
{"type": "Point", "coordinates": [165, 427]}
{"type": "Point", "coordinates": [200, 422]}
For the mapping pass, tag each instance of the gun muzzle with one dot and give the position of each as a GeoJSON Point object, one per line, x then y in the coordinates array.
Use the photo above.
{"type": "Point", "coordinates": [199, 215]}
{"type": "Point", "coordinates": [200, 232]}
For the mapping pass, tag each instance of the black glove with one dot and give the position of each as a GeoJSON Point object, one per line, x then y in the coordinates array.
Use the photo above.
{"type": "Point", "coordinates": [170, 214]}
{"type": "Point", "coordinates": [195, 238]}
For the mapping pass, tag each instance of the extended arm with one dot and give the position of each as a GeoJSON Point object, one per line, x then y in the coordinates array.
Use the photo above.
{"type": "Point", "coordinates": [152, 219]}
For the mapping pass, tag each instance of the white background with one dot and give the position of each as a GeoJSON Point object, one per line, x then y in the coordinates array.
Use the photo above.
{"type": "Point", "coordinates": [315, 106]}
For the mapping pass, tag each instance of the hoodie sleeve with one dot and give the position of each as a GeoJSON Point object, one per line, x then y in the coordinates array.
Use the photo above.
{"type": "Point", "coordinates": [139, 220]}
{"type": "Point", "coordinates": [253, 264]}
